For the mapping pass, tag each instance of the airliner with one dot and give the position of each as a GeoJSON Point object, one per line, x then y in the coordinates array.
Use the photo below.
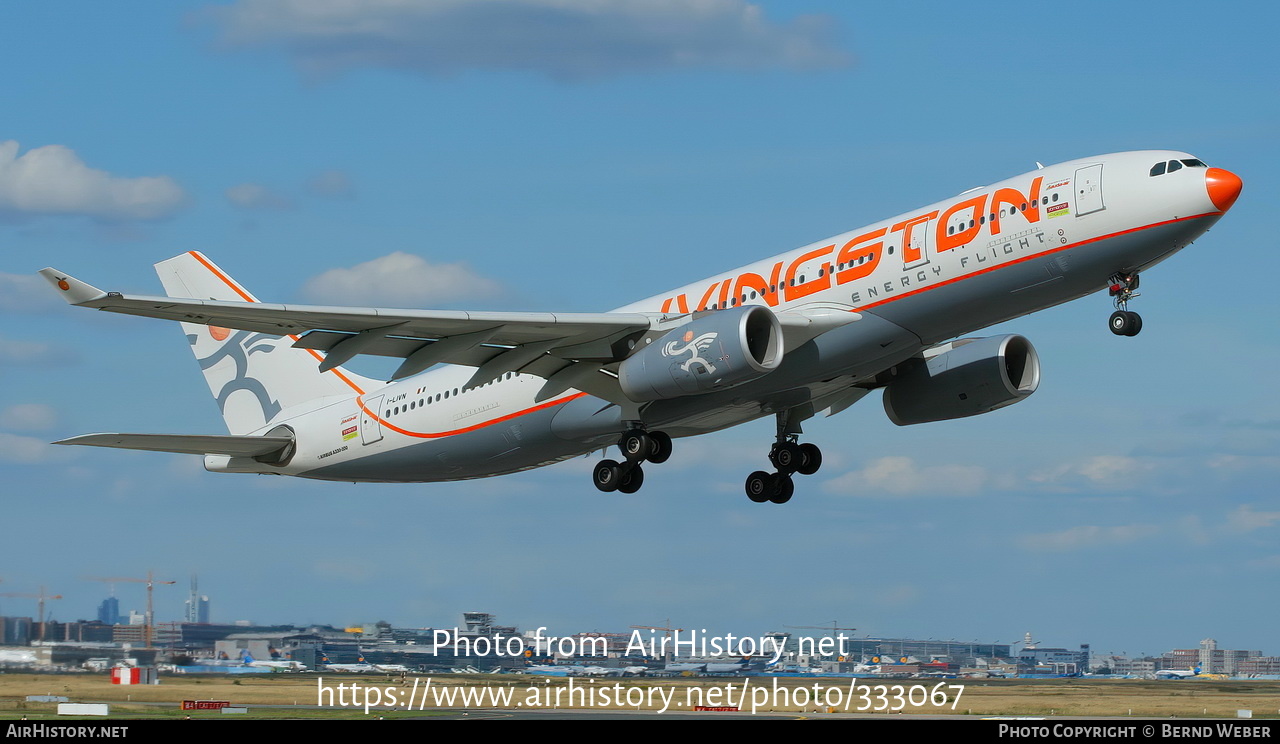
{"type": "Point", "coordinates": [886, 306]}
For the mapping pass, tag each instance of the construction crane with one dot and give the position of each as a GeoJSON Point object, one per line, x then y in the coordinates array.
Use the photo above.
{"type": "Point", "coordinates": [834, 628]}
{"type": "Point", "coordinates": [150, 581]}
{"type": "Point", "coordinates": [40, 598]}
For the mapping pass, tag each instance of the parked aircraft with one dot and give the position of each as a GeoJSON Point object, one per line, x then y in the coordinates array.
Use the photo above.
{"type": "Point", "coordinates": [811, 330]}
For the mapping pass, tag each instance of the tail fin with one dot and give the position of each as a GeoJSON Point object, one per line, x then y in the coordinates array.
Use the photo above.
{"type": "Point", "coordinates": [253, 376]}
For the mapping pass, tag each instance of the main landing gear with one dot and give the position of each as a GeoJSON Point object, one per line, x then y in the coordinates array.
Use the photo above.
{"type": "Point", "coordinates": [1123, 287]}
{"type": "Point", "coordinates": [789, 457]}
{"type": "Point", "coordinates": [637, 445]}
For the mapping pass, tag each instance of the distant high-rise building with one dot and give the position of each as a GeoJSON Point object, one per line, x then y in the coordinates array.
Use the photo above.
{"type": "Point", "coordinates": [109, 611]}
{"type": "Point", "coordinates": [197, 605]}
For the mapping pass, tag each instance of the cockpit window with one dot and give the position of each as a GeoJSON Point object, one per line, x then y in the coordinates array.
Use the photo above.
{"type": "Point", "coordinates": [1158, 169]}
{"type": "Point", "coordinates": [1194, 163]}
{"type": "Point", "coordinates": [1174, 165]}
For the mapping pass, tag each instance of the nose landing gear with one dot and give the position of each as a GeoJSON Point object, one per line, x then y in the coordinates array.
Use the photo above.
{"type": "Point", "coordinates": [1123, 287]}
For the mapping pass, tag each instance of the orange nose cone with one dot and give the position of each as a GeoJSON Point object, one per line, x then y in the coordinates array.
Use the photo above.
{"type": "Point", "coordinates": [1224, 186]}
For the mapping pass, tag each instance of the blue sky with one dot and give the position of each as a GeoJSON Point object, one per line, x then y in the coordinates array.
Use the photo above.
{"type": "Point", "coordinates": [537, 154]}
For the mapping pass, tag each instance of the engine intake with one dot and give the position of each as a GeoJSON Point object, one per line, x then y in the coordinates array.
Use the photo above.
{"type": "Point", "coordinates": [719, 350]}
{"type": "Point", "coordinates": [973, 377]}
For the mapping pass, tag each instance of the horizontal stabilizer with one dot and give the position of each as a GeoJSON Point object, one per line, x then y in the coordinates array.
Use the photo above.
{"type": "Point", "coordinates": [188, 444]}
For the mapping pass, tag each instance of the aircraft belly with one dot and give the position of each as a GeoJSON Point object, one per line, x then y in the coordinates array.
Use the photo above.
{"type": "Point", "coordinates": [503, 448]}
{"type": "Point", "coordinates": [1017, 289]}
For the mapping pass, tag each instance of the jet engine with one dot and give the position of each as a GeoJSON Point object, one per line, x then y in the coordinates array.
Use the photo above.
{"type": "Point", "coordinates": [718, 350]}
{"type": "Point", "coordinates": [974, 376]}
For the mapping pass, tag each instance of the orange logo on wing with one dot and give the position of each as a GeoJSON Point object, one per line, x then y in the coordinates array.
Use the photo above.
{"type": "Point", "coordinates": [63, 285]}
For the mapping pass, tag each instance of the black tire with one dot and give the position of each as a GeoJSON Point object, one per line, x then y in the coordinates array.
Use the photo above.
{"type": "Point", "coordinates": [783, 490]}
{"type": "Point", "coordinates": [607, 475]}
{"type": "Point", "coordinates": [661, 449]}
{"type": "Point", "coordinates": [1137, 325]}
{"type": "Point", "coordinates": [760, 486]}
{"type": "Point", "coordinates": [1121, 322]}
{"type": "Point", "coordinates": [810, 459]}
{"type": "Point", "coordinates": [785, 457]}
{"type": "Point", "coordinates": [635, 446]}
{"type": "Point", "coordinates": [632, 479]}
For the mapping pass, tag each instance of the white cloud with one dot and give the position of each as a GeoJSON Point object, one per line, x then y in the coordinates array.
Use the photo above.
{"type": "Point", "coordinates": [1101, 472]}
{"type": "Point", "coordinates": [331, 183]}
{"type": "Point", "coordinates": [902, 476]}
{"type": "Point", "coordinates": [1087, 536]}
{"type": "Point", "coordinates": [257, 196]}
{"type": "Point", "coordinates": [29, 417]}
{"type": "Point", "coordinates": [53, 180]}
{"type": "Point", "coordinates": [567, 39]}
{"type": "Point", "coordinates": [13, 351]}
{"type": "Point", "coordinates": [400, 280]}
{"type": "Point", "coordinates": [30, 451]}
{"type": "Point", "coordinates": [26, 293]}
{"type": "Point", "coordinates": [1244, 519]}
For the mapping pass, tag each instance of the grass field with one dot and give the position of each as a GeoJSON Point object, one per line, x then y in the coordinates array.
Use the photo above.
{"type": "Point", "coordinates": [1054, 697]}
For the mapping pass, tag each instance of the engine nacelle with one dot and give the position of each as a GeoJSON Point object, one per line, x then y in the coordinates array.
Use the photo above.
{"type": "Point", "coordinates": [719, 350]}
{"type": "Point", "coordinates": [975, 376]}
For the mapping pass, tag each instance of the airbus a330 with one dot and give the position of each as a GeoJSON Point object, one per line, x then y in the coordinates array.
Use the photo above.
{"type": "Point", "coordinates": [809, 331]}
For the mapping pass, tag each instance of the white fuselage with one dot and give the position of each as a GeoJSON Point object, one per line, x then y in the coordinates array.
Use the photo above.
{"type": "Point", "coordinates": [917, 279]}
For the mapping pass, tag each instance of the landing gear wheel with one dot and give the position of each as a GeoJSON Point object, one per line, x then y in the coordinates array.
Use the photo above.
{"type": "Point", "coordinates": [810, 459]}
{"type": "Point", "coordinates": [1125, 323]}
{"type": "Point", "coordinates": [760, 486]}
{"type": "Point", "coordinates": [1137, 324]}
{"type": "Point", "coordinates": [631, 480]}
{"type": "Point", "coordinates": [783, 490]}
{"type": "Point", "coordinates": [635, 445]}
{"type": "Point", "coordinates": [607, 475]}
{"type": "Point", "coordinates": [786, 457]}
{"type": "Point", "coordinates": [660, 451]}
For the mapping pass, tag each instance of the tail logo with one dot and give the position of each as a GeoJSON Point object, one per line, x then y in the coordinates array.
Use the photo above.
{"type": "Point", "coordinates": [219, 333]}
{"type": "Point", "coordinates": [238, 348]}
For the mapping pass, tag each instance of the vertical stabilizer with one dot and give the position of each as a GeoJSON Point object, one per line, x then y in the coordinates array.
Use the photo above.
{"type": "Point", "coordinates": [253, 376]}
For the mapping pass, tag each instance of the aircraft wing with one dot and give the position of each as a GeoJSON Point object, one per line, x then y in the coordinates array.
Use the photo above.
{"type": "Point", "coordinates": [569, 350]}
{"type": "Point", "coordinates": [495, 341]}
{"type": "Point", "coordinates": [187, 444]}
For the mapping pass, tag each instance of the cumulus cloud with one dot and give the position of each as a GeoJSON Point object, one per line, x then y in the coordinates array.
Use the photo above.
{"type": "Point", "coordinates": [29, 417]}
{"type": "Point", "coordinates": [1088, 536]}
{"type": "Point", "coordinates": [1101, 472]}
{"type": "Point", "coordinates": [1245, 518]}
{"type": "Point", "coordinates": [902, 476]}
{"type": "Point", "coordinates": [53, 180]}
{"type": "Point", "coordinates": [257, 196]}
{"type": "Point", "coordinates": [333, 184]}
{"type": "Point", "coordinates": [566, 39]}
{"type": "Point", "coordinates": [31, 451]}
{"type": "Point", "coordinates": [26, 293]}
{"type": "Point", "coordinates": [399, 280]}
{"type": "Point", "coordinates": [13, 351]}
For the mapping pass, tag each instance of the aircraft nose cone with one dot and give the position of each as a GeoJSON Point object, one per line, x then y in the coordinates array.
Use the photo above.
{"type": "Point", "coordinates": [1224, 186]}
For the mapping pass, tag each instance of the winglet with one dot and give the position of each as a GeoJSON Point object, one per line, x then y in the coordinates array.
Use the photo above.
{"type": "Point", "coordinates": [73, 290]}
